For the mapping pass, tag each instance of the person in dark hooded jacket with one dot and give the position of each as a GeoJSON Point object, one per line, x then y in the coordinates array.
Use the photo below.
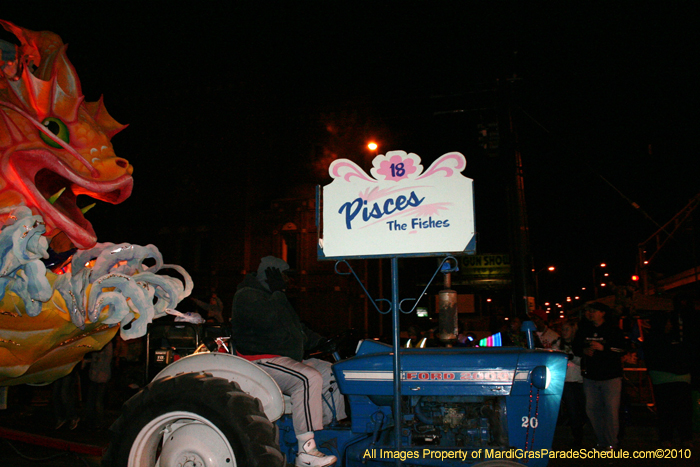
{"type": "Point", "coordinates": [668, 356]}
{"type": "Point", "coordinates": [267, 331]}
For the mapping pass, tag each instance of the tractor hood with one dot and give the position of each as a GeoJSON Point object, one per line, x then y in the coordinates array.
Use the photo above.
{"type": "Point", "coordinates": [441, 371]}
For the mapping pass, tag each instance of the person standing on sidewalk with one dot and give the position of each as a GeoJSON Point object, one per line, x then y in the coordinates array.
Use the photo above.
{"type": "Point", "coordinates": [667, 354]}
{"type": "Point", "coordinates": [100, 373]}
{"type": "Point", "coordinates": [65, 400]}
{"type": "Point", "coordinates": [547, 338]}
{"type": "Point", "coordinates": [573, 400]}
{"type": "Point", "coordinates": [601, 345]}
{"type": "Point", "coordinates": [214, 308]}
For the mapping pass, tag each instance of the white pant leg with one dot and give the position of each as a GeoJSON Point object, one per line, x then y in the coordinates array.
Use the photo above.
{"type": "Point", "coordinates": [304, 385]}
{"type": "Point", "coordinates": [331, 392]}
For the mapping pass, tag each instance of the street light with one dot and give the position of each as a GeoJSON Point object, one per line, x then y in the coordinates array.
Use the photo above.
{"type": "Point", "coordinates": [595, 279]}
{"type": "Point", "coordinates": [537, 280]}
{"type": "Point", "coordinates": [373, 150]}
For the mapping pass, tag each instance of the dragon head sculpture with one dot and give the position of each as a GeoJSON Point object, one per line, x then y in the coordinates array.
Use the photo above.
{"type": "Point", "coordinates": [54, 146]}
{"type": "Point", "coordinates": [52, 141]}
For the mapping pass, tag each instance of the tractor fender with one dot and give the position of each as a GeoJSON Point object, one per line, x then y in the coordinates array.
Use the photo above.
{"type": "Point", "coordinates": [251, 378]}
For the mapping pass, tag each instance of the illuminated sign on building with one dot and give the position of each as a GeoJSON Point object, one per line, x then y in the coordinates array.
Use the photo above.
{"type": "Point", "coordinates": [485, 265]}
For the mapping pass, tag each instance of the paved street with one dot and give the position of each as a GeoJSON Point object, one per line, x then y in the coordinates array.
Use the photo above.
{"type": "Point", "coordinates": [639, 434]}
{"type": "Point", "coordinates": [82, 447]}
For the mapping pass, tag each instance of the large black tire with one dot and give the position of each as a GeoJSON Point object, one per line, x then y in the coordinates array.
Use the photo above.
{"type": "Point", "coordinates": [208, 407]}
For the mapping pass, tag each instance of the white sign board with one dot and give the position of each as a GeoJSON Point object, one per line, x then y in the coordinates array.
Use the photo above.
{"type": "Point", "coordinates": [399, 209]}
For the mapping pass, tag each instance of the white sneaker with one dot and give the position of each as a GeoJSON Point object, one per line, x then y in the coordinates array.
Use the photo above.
{"type": "Point", "coordinates": [309, 456]}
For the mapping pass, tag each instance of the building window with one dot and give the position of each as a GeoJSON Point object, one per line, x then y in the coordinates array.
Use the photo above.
{"type": "Point", "coordinates": [290, 245]}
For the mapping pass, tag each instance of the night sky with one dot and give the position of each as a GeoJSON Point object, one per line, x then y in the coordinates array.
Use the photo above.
{"type": "Point", "coordinates": [228, 97]}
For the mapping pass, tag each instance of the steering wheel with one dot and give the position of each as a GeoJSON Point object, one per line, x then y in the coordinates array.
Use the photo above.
{"type": "Point", "coordinates": [333, 347]}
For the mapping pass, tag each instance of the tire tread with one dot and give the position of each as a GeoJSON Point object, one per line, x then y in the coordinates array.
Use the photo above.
{"type": "Point", "coordinates": [191, 391]}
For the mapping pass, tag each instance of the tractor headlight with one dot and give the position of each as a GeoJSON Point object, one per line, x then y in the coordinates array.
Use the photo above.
{"type": "Point", "coordinates": [540, 377]}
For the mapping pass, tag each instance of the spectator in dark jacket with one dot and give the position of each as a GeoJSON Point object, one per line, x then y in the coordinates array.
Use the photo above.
{"type": "Point", "coordinates": [601, 345]}
{"type": "Point", "coordinates": [573, 400]}
{"type": "Point", "coordinates": [667, 355]}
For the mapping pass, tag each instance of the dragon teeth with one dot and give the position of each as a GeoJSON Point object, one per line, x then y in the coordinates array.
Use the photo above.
{"type": "Point", "coordinates": [56, 195]}
{"type": "Point", "coordinates": [87, 208]}
{"type": "Point", "coordinates": [52, 199]}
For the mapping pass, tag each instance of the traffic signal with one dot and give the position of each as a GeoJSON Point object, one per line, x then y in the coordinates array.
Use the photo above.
{"type": "Point", "coordinates": [489, 138]}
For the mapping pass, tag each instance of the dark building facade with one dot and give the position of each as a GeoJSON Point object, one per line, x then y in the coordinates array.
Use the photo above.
{"type": "Point", "coordinates": [218, 258]}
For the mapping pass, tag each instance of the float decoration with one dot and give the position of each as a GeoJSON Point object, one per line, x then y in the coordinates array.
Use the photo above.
{"type": "Point", "coordinates": [54, 147]}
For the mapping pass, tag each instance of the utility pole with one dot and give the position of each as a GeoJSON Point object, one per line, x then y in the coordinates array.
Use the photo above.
{"type": "Point", "coordinates": [523, 296]}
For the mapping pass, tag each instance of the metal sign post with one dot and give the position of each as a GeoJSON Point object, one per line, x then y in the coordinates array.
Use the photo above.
{"type": "Point", "coordinates": [447, 265]}
{"type": "Point", "coordinates": [397, 349]}
{"type": "Point", "coordinates": [397, 211]}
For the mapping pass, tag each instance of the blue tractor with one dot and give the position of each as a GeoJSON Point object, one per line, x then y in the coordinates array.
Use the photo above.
{"type": "Point", "coordinates": [458, 406]}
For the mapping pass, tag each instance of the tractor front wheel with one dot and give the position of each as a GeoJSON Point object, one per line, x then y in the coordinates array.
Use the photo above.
{"type": "Point", "coordinates": [192, 419]}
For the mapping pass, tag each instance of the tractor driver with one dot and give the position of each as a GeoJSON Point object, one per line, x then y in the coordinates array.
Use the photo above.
{"type": "Point", "coordinates": [267, 331]}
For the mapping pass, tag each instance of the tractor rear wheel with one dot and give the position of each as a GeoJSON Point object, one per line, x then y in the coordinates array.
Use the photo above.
{"type": "Point", "coordinates": [192, 419]}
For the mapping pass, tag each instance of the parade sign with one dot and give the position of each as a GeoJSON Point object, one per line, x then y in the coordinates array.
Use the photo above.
{"type": "Point", "coordinates": [398, 210]}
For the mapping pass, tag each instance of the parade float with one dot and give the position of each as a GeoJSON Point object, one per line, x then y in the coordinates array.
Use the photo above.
{"type": "Point", "coordinates": [63, 294]}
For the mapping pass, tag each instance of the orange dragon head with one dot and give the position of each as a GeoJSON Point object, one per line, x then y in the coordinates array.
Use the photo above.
{"type": "Point", "coordinates": [54, 146]}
